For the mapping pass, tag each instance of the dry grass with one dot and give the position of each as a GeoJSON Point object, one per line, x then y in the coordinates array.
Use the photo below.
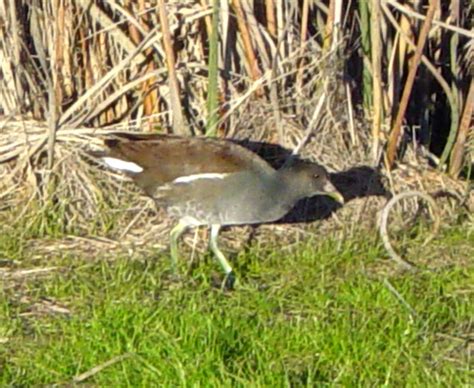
{"type": "Point", "coordinates": [83, 292]}
{"type": "Point", "coordinates": [92, 197]}
{"type": "Point", "coordinates": [297, 95]}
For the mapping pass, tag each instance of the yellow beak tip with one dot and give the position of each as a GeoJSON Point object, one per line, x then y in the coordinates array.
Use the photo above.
{"type": "Point", "coordinates": [337, 197]}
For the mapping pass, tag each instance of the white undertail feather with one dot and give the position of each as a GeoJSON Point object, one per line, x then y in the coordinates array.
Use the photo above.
{"type": "Point", "coordinates": [122, 165]}
{"type": "Point", "coordinates": [195, 177]}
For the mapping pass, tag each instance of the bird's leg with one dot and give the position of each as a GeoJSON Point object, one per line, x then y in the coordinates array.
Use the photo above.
{"type": "Point", "coordinates": [175, 233]}
{"type": "Point", "coordinates": [229, 279]}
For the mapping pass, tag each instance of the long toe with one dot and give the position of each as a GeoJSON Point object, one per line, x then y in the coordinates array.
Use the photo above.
{"type": "Point", "coordinates": [229, 282]}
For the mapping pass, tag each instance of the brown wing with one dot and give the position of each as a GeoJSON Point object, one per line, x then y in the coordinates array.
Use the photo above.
{"type": "Point", "coordinates": [166, 157]}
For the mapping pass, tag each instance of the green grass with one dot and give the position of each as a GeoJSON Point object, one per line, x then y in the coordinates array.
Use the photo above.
{"type": "Point", "coordinates": [318, 315]}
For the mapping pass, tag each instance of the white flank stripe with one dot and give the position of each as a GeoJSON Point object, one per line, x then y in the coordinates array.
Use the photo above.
{"type": "Point", "coordinates": [122, 165]}
{"type": "Point", "coordinates": [191, 178]}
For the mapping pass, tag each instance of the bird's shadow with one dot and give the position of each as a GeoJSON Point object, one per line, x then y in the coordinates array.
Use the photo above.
{"type": "Point", "coordinates": [356, 182]}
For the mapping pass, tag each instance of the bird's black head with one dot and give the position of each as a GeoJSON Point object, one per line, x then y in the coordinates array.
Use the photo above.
{"type": "Point", "coordinates": [309, 179]}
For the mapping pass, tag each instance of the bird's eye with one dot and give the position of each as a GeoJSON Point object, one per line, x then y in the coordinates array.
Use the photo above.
{"type": "Point", "coordinates": [316, 176]}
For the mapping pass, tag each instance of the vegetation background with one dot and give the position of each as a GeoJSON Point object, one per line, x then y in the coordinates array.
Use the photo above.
{"type": "Point", "coordinates": [381, 92]}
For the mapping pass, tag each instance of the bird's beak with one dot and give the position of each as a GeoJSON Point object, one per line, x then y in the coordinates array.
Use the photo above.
{"type": "Point", "coordinates": [332, 192]}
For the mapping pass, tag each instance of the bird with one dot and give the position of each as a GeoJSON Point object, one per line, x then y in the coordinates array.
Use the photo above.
{"type": "Point", "coordinates": [213, 182]}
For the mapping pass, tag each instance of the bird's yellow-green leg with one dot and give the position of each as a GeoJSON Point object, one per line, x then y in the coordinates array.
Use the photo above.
{"type": "Point", "coordinates": [229, 279]}
{"type": "Point", "coordinates": [175, 234]}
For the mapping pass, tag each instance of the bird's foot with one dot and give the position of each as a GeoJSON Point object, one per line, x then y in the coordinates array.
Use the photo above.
{"type": "Point", "coordinates": [230, 282]}
{"type": "Point", "coordinates": [173, 278]}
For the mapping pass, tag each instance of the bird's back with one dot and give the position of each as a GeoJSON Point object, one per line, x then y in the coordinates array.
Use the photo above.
{"type": "Point", "coordinates": [164, 158]}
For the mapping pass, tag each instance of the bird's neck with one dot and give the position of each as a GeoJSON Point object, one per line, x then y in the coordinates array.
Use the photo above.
{"type": "Point", "coordinates": [288, 187]}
